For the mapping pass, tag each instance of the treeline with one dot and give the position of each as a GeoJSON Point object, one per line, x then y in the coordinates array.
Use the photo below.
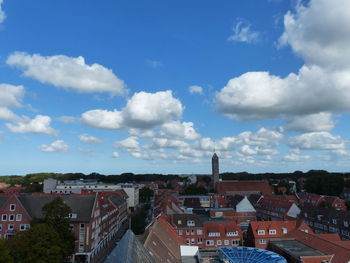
{"type": "Point", "coordinates": [125, 177]}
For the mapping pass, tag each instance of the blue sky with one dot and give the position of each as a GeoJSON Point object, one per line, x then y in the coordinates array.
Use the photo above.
{"type": "Point", "coordinates": [154, 86]}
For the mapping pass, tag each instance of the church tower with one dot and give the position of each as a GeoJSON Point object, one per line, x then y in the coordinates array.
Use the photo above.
{"type": "Point", "coordinates": [215, 169]}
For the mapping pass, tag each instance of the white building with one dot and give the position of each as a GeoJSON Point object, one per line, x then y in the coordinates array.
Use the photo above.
{"type": "Point", "coordinates": [77, 186]}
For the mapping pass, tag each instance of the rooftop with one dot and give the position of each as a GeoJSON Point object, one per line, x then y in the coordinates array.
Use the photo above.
{"type": "Point", "coordinates": [295, 248]}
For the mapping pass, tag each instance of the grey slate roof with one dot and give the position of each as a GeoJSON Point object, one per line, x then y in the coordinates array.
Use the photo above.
{"type": "Point", "coordinates": [80, 205]}
{"type": "Point", "coordinates": [129, 250]}
{"type": "Point", "coordinates": [117, 200]}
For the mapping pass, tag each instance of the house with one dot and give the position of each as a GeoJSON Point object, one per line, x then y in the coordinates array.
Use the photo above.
{"type": "Point", "coordinates": [327, 220]}
{"type": "Point", "coordinates": [321, 200]}
{"type": "Point", "coordinates": [204, 232]}
{"type": "Point", "coordinates": [300, 246]}
{"type": "Point", "coordinates": [260, 233]}
{"type": "Point", "coordinates": [271, 208]}
{"type": "Point", "coordinates": [244, 188]}
{"type": "Point", "coordinates": [94, 219]}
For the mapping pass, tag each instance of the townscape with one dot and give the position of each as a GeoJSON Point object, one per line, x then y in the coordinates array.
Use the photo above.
{"type": "Point", "coordinates": [196, 218]}
{"type": "Point", "coordinates": [175, 131]}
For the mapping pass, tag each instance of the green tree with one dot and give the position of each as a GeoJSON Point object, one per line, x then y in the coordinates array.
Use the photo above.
{"type": "Point", "coordinates": [39, 244]}
{"type": "Point", "coordinates": [192, 189]}
{"type": "Point", "coordinates": [138, 222]}
{"type": "Point", "coordinates": [145, 194]}
{"type": "Point", "coordinates": [5, 256]}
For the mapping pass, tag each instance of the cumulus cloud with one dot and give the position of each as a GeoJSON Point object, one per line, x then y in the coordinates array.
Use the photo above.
{"type": "Point", "coordinates": [89, 139]}
{"type": "Point", "coordinates": [68, 72]}
{"type": "Point", "coordinates": [130, 144]}
{"type": "Point", "coordinates": [195, 89]}
{"type": "Point", "coordinates": [176, 129]}
{"type": "Point", "coordinates": [143, 111]}
{"type": "Point", "coordinates": [103, 119]}
{"type": "Point", "coordinates": [40, 124]}
{"type": "Point", "coordinates": [56, 146]}
{"type": "Point", "coordinates": [10, 95]}
{"type": "Point", "coordinates": [154, 63]}
{"type": "Point", "coordinates": [317, 141]}
{"type": "Point", "coordinates": [168, 143]}
{"type": "Point", "coordinates": [2, 13]}
{"type": "Point", "coordinates": [319, 33]}
{"type": "Point", "coordinates": [263, 137]}
{"type": "Point", "coordinates": [8, 115]}
{"type": "Point", "coordinates": [243, 33]}
{"type": "Point", "coordinates": [312, 122]}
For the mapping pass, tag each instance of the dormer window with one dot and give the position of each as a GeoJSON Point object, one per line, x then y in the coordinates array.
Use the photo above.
{"type": "Point", "coordinates": [261, 232]}
{"type": "Point", "coordinates": [235, 233]}
{"type": "Point", "coordinates": [190, 223]}
{"type": "Point", "coordinates": [272, 231]}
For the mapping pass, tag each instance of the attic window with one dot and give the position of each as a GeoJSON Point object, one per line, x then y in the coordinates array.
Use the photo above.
{"type": "Point", "coordinates": [190, 223]}
{"type": "Point", "coordinates": [284, 230]}
{"type": "Point", "coordinates": [272, 231]}
{"type": "Point", "coordinates": [261, 232]}
{"type": "Point", "coordinates": [12, 207]}
{"type": "Point", "coordinates": [179, 222]}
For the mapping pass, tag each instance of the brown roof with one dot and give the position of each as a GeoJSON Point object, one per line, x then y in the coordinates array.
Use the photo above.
{"type": "Point", "coordinates": [341, 252]}
{"type": "Point", "coordinates": [163, 243]}
{"type": "Point", "coordinates": [244, 187]}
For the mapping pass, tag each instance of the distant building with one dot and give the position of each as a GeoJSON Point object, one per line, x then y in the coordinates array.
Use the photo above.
{"type": "Point", "coordinates": [78, 186]}
{"type": "Point", "coordinates": [215, 169]}
{"type": "Point", "coordinates": [244, 188]}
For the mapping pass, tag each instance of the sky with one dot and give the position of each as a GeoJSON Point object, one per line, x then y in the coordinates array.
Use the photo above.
{"type": "Point", "coordinates": [156, 86]}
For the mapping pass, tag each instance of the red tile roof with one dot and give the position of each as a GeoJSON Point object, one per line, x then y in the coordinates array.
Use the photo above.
{"type": "Point", "coordinates": [244, 187]}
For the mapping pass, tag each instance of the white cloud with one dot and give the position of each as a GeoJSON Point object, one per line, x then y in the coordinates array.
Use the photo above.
{"type": "Point", "coordinates": [10, 95]}
{"type": "Point", "coordinates": [176, 129]}
{"type": "Point", "coordinates": [243, 33]}
{"type": "Point", "coordinates": [68, 72]}
{"type": "Point", "coordinates": [103, 119]}
{"type": "Point", "coordinates": [146, 110]}
{"type": "Point", "coordinates": [89, 139]}
{"type": "Point", "coordinates": [40, 124]}
{"type": "Point", "coordinates": [2, 13]}
{"type": "Point", "coordinates": [263, 137]}
{"type": "Point", "coordinates": [195, 89]}
{"type": "Point", "coordinates": [295, 156]}
{"type": "Point", "coordinates": [141, 133]}
{"type": "Point", "coordinates": [309, 123]}
{"type": "Point", "coordinates": [130, 144]}
{"type": "Point", "coordinates": [143, 111]}
{"type": "Point", "coordinates": [169, 143]}
{"type": "Point", "coordinates": [115, 155]}
{"type": "Point", "coordinates": [67, 119]}
{"type": "Point", "coordinates": [56, 146]}
{"type": "Point", "coordinates": [8, 115]}
{"type": "Point", "coordinates": [319, 33]}
{"type": "Point", "coordinates": [317, 141]}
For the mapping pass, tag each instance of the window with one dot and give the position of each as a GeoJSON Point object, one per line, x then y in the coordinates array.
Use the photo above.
{"type": "Point", "coordinates": [81, 237]}
{"type": "Point", "coordinates": [82, 227]}
{"type": "Point", "coordinates": [210, 242]}
{"type": "Point", "coordinates": [11, 217]}
{"type": "Point", "coordinates": [284, 230]}
{"type": "Point", "coordinates": [4, 218]}
{"type": "Point", "coordinates": [214, 234]}
{"type": "Point", "coordinates": [187, 232]}
{"type": "Point", "coordinates": [334, 221]}
{"type": "Point", "coordinates": [235, 242]}
{"type": "Point", "coordinates": [192, 231]}
{"type": "Point", "coordinates": [179, 222]}
{"type": "Point", "coordinates": [180, 232]}
{"type": "Point", "coordinates": [262, 241]}
{"type": "Point", "coordinates": [199, 232]}
{"type": "Point", "coordinates": [187, 241]}
{"type": "Point", "coordinates": [24, 227]}
{"type": "Point", "coordinates": [346, 224]}
{"type": "Point", "coordinates": [12, 207]}
{"type": "Point", "coordinates": [272, 232]}
{"type": "Point", "coordinates": [0, 226]}
{"type": "Point", "coordinates": [200, 240]}
{"type": "Point", "coordinates": [226, 242]}
{"type": "Point", "coordinates": [261, 232]}
{"type": "Point", "coordinates": [10, 227]}
{"type": "Point", "coordinates": [18, 217]}
{"type": "Point", "coordinates": [235, 233]}
{"type": "Point", "coordinates": [81, 247]}
{"type": "Point", "coordinates": [192, 241]}
{"type": "Point", "coordinates": [218, 242]}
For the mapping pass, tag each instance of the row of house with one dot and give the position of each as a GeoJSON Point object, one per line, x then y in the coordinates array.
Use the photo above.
{"type": "Point", "coordinates": [95, 219]}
